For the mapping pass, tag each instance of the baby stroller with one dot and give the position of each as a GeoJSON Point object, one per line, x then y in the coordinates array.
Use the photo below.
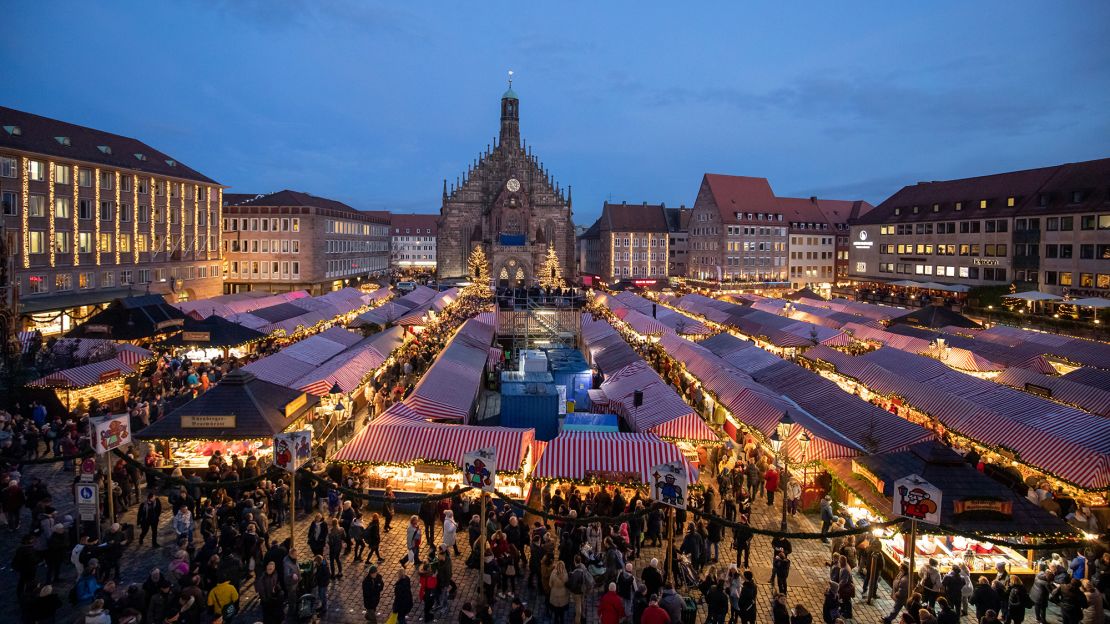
{"type": "Point", "coordinates": [307, 607]}
{"type": "Point", "coordinates": [684, 572]}
{"type": "Point", "coordinates": [594, 563]}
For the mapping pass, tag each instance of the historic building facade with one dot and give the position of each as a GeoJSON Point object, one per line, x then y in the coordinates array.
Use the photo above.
{"type": "Point", "coordinates": [507, 203]}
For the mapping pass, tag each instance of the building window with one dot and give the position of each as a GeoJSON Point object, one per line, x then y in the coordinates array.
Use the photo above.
{"type": "Point", "coordinates": [1065, 278]}
{"type": "Point", "coordinates": [11, 203]}
{"type": "Point", "coordinates": [37, 284]}
{"type": "Point", "coordinates": [36, 206]}
{"type": "Point", "coordinates": [105, 242]}
{"type": "Point", "coordinates": [84, 242]}
{"type": "Point", "coordinates": [36, 242]}
{"type": "Point", "coordinates": [106, 210]}
{"type": "Point", "coordinates": [85, 281]}
{"type": "Point", "coordinates": [125, 278]}
{"type": "Point", "coordinates": [61, 242]}
{"type": "Point", "coordinates": [63, 281]}
{"type": "Point", "coordinates": [62, 206]}
{"type": "Point", "coordinates": [38, 170]}
{"type": "Point", "coordinates": [85, 209]}
{"type": "Point", "coordinates": [108, 279]}
{"type": "Point", "coordinates": [84, 178]}
{"type": "Point", "coordinates": [63, 174]}
{"type": "Point", "coordinates": [9, 167]}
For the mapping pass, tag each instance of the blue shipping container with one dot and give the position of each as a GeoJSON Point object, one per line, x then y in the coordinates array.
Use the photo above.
{"type": "Point", "coordinates": [534, 405]}
{"type": "Point", "coordinates": [569, 368]}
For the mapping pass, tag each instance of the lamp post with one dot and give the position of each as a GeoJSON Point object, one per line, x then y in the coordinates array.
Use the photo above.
{"type": "Point", "coordinates": [990, 309]}
{"type": "Point", "coordinates": [778, 444]}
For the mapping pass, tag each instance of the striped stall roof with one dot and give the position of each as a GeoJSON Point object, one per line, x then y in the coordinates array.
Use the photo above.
{"type": "Point", "coordinates": [449, 387]}
{"type": "Point", "coordinates": [334, 356]}
{"type": "Point", "coordinates": [580, 455]}
{"type": "Point", "coordinates": [1092, 399]}
{"type": "Point", "coordinates": [393, 439]}
{"type": "Point", "coordinates": [84, 375]}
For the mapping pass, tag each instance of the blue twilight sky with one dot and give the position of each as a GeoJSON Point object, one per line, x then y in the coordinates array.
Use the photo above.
{"type": "Point", "coordinates": [374, 104]}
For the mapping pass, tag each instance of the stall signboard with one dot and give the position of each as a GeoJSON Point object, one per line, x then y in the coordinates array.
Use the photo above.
{"type": "Point", "coordinates": [196, 336]}
{"type": "Point", "coordinates": [111, 432]}
{"type": "Point", "coordinates": [87, 496]}
{"type": "Point", "coordinates": [97, 329]}
{"type": "Point", "coordinates": [109, 375]}
{"type": "Point", "coordinates": [613, 476]}
{"type": "Point", "coordinates": [669, 484]}
{"type": "Point", "coordinates": [562, 399]}
{"type": "Point", "coordinates": [480, 468]}
{"type": "Point", "coordinates": [868, 475]}
{"type": "Point", "coordinates": [292, 449]}
{"type": "Point", "coordinates": [295, 405]}
{"type": "Point", "coordinates": [993, 505]}
{"type": "Point", "coordinates": [917, 499]}
{"type": "Point", "coordinates": [169, 323]}
{"type": "Point", "coordinates": [208, 421]}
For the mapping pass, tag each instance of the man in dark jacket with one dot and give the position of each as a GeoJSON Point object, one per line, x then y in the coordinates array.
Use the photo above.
{"type": "Point", "coordinates": [1042, 588]}
{"type": "Point", "coordinates": [1072, 602]}
{"type": "Point", "coordinates": [428, 513]}
{"type": "Point", "coordinates": [953, 584]}
{"type": "Point", "coordinates": [149, 512]}
{"type": "Point", "coordinates": [716, 603]}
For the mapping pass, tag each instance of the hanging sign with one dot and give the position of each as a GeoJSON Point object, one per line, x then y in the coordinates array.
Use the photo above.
{"type": "Point", "coordinates": [917, 499]}
{"type": "Point", "coordinates": [669, 484]}
{"type": "Point", "coordinates": [292, 449]}
{"type": "Point", "coordinates": [480, 468]}
{"type": "Point", "coordinates": [111, 432]}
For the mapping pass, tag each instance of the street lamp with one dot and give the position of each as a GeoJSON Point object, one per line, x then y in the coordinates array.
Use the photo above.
{"type": "Point", "coordinates": [990, 309]}
{"type": "Point", "coordinates": [778, 443]}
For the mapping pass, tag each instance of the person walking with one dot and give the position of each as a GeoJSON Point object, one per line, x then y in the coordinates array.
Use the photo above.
{"type": "Point", "coordinates": [149, 513]}
{"type": "Point", "coordinates": [372, 586]}
{"type": "Point", "coordinates": [450, 531]}
{"type": "Point", "coordinates": [558, 596]}
{"type": "Point", "coordinates": [610, 608]}
{"type": "Point", "coordinates": [402, 596]}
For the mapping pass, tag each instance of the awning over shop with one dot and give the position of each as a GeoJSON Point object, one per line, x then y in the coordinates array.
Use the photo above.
{"type": "Point", "coordinates": [681, 323]}
{"type": "Point", "coordinates": [935, 316]}
{"type": "Point", "coordinates": [334, 356]}
{"type": "Point", "coordinates": [85, 375]}
{"type": "Point", "coordinates": [235, 303]}
{"type": "Point", "coordinates": [131, 318]}
{"type": "Point", "coordinates": [1090, 398]}
{"type": "Point", "coordinates": [395, 309]}
{"type": "Point", "coordinates": [213, 332]}
{"type": "Point", "coordinates": [1033, 295]}
{"type": "Point", "coordinates": [449, 387]}
{"type": "Point", "coordinates": [661, 404]}
{"type": "Point", "coordinates": [305, 312]}
{"type": "Point", "coordinates": [607, 457]}
{"type": "Point", "coordinates": [1089, 302]}
{"type": "Point", "coordinates": [971, 500]}
{"type": "Point", "coordinates": [392, 439]}
{"type": "Point", "coordinates": [240, 407]}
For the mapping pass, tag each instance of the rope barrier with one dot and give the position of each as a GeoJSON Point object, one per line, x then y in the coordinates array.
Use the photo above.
{"type": "Point", "coordinates": [46, 460]}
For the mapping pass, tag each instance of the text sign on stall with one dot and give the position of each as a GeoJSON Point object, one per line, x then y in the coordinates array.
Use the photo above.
{"type": "Point", "coordinates": [917, 499]}
{"type": "Point", "coordinates": [196, 336]}
{"type": "Point", "coordinates": [669, 484]}
{"type": "Point", "coordinates": [292, 449]}
{"type": "Point", "coordinates": [480, 468]}
{"type": "Point", "coordinates": [87, 496]}
{"type": "Point", "coordinates": [207, 421]}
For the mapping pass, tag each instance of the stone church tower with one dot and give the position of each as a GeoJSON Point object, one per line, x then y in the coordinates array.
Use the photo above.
{"type": "Point", "coordinates": [507, 203]}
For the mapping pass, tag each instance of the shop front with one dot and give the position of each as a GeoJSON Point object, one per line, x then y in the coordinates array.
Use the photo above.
{"type": "Point", "coordinates": [240, 416]}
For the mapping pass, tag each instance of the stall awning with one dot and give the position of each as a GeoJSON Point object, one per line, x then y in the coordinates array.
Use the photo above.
{"type": "Point", "coordinates": [1090, 302]}
{"type": "Point", "coordinates": [215, 332]}
{"type": "Point", "coordinates": [131, 318]}
{"type": "Point", "coordinates": [240, 407]}
{"type": "Point", "coordinates": [585, 455]}
{"type": "Point", "coordinates": [392, 439]}
{"type": "Point", "coordinates": [1093, 399]}
{"type": "Point", "coordinates": [450, 386]}
{"type": "Point", "coordinates": [86, 375]}
{"type": "Point", "coordinates": [1033, 295]}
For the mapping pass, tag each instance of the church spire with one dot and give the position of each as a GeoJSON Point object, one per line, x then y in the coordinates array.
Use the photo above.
{"type": "Point", "coordinates": [510, 116]}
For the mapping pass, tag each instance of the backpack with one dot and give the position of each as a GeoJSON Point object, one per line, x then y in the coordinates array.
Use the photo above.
{"type": "Point", "coordinates": [574, 583]}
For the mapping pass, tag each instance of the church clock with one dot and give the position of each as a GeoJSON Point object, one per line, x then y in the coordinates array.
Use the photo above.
{"type": "Point", "coordinates": [513, 185]}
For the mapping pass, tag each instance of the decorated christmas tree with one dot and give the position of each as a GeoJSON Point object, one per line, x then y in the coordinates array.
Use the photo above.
{"type": "Point", "coordinates": [551, 274]}
{"type": "Point", "coordinates": [478, 268]}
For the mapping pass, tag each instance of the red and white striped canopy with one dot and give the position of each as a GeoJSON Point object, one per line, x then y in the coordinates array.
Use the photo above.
{"type": "Point", "coordinates": [579, 454]}
{"type": "Point", "coordinates": [393, 439]}
{"type": "Point", "coordinates": [85, 375]}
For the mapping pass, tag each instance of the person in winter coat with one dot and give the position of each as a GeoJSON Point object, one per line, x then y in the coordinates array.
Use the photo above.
{"type": "Point", "coordinates": [1039, 594]}
{"type": "Point", "coordinates": [780, 570]}
{"type": "Point", "coordinates": [374, 538]}
{"type": "Point", "coordinates": [830, 608]}
{"type": "Point", "coordinates": [412, 542]}
{"type": "Point", "coordinates": [654, 614]}
{"type": "Point", "coordinates": [780, 614]}
{"type": "Point", "coordinates": [450, 531]}
{"type": "Point", "coordinates": [183, 524]}
{"type": "Point", "coordinates": [800, 615]}
{"type": "Point", "coordinates": [98, 614]}
{"type": "Point", "coordinates": [372, 586]}
{"type": "Point", "coordinates": [947, 615]}
{"type": "Point", "coordinates": [652, 578]}
{"type": "Point", "coordinates": [558, 595]}
{"type": "Point", "coordinates": [985, 598]}
{"type": "Point", "coordinates": [271, 594]}
{"type": "Point", "coordinates": [716, 604]}
{"type": "Point", "coordinates": [1094, 613]}
{"type": "Point", "coordinates": [900, 592]}
{"type": "Point", "coordinates": [1072, 602]}
{"type": "Point", "coordinates": [672, 603]}
{"type": "Point", "coordinates": [771, 482]}
{"type": "Point", "coordinates": [1015, 601]}
{"type": "Point", "coordinates": [25, 562]}
{"type": "Point", "coordinates": [746, 602]}
{"type": "Point", "coordinates": [45, 604]}
{"type": "Point", "coordinates": [610, 608]}
{"type": "Point", "coordinates": [402, 596]}
{"type": "Point", "coordinates": [317, 535]}
{"type": "Point", "coordinates": [953, 584]}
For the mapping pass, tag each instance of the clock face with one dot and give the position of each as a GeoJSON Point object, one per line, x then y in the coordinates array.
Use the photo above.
{"type": "Point", "coordinates": [513, 185]}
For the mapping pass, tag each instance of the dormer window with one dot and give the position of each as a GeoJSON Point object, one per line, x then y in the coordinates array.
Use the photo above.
{"type": "Point", "coordinates": [1042, 200]}
{"type": "Point", "coordinates": [1076, 197]}
{"type": "Point", "coordinates": [982, 204]}
{"type": "Point", "coordinates": [171, 162]}
{"type": "Point", "coordinates": [13, 130]}
{"type": "Point", "coordinates": [104, 149]}
{"type": "Point", "coordinates": [140, 156]}
{"type": "Point", "coordinates": [915, 209]}
{"type": "Point", "coordinates": [62, 140]}
{"type": "Point", "coordinates": [936, 207]}
{"type": "Point", "coordinates": [897, 211]}
{"type": "Point", "coordinates": [1010, 201]}
{"type": "Point", "coordinates": [959, 206]}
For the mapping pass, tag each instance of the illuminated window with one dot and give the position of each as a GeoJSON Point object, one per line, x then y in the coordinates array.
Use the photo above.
{"type": "Point", "coordinates": [63, 174]}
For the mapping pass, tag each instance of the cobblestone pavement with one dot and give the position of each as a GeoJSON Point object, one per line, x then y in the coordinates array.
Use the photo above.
{"type": "Point", "coordinates": [807, 577]}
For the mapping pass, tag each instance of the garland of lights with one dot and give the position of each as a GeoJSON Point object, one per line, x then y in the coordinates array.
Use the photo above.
{"type": "Point", "coordinates": [50, 210]}
{"type": "Point", "coordinates": [135, 218]}
{"type": "Point", "coordinates": [25, 201]}
{"type": "Point", "coordinates": [208, 222]}
{"type": "Point", "coordinates": [166, 215]}
{"type": "Point", "coordinates": [119, 215]}
{"type": "Point", "coordinates": [196, 216]}
{"type": "Point", "coordinates": [75, 211]}
{"type": "Point", "coordinates": [150, 196]}
{"type": "Point", "coordinates": [96, 215]}
{"type": "Point", "coordinates": [220, 230]}
{"type": "Point", "coordinates": [181, 219]}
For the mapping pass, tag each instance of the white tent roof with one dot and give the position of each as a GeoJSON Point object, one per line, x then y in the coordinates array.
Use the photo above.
{"type": "Point", "coordinates": [1090, 302]}
{"type": "Point", "coordinates": [1032, 295]}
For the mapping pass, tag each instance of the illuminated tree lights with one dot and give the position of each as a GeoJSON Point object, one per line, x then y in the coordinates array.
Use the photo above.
{"type": "Point", "coordinates": [50, 212]}
{"type": "Point", "coordinates": [551, 273]}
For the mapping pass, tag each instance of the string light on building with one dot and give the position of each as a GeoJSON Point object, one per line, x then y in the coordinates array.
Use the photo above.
{"type": "Point", "coordinates": [26, 247]}
{"type": "Point", "coordinates": [75, 210]}
{"type": "Point", "coordinates": [196, 215]}
{"type": "Point", "coordinates": [150, 195]}
{"type": "Point", "coordinates": [119, 213]}
{"type": "Point", "coordinates": [208, 222]}
{"type": "Point", "coordinates": [181, 219]}
{"type": "Point", "coordinates": [135, 218]}
{"type": "Point", "coordinates": [96, 215]}
{"type": "Point", "coordinates": [50, 211]}
{"type": "Point", "coordinates": [220, 230]}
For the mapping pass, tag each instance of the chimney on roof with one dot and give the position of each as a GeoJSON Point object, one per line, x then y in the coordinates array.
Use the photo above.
{"type": "Point", "coordinates": [624, 203]}
{"type": "Point", "coordinates": [662, 205]}
{"type": "Point", "coordinates": [813, 199]}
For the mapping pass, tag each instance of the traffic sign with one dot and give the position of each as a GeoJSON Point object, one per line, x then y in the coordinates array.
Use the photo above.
{"type": "Point", "coordinates": [87, 496]}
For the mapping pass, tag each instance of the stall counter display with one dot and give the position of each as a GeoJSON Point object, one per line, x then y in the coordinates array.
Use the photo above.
{"type": "Point", "coordinates": [195, 454]}
{"type": "Point", "coordinates": [980, 557]}
{"type": "Point", "coordinates": [434, 479]}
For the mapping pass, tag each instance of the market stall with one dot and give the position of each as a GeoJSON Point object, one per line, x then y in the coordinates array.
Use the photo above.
{"type": "Point", "coordinates": [239, 415]}
{"type": "Point", "coordinates": [410, 454]}
{"type": "Point", "coordinates": [103, 382]}
{"type": "Point", "coordinates": [972, 503]}
{"type": "Point", "coordinates": [625, 459]}
{"type": "Point", "coordinates": [132, 318]}
{"type": "Point", "coordinates": [213, 337]}
{"type": "Point", "coordinates": [450, 386]}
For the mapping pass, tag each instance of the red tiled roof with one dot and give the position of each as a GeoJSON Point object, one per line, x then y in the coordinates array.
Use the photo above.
{"type": "Point", "coordinates": [634, 217]}
{"type": "Point", "coordinates": [297, 198]}
{"type": "Point", "coordinates": [734, 194]}
{"type": "Point", "coordinates": [425, 223]}
{"type": "Point", "coordinates": [40, 135]}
